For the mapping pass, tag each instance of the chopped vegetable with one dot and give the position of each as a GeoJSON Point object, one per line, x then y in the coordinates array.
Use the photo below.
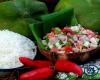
{"type": "Point", "coordinates": [68, 49]}
{"type": "Point", "coordinates": [54, 50]}
{"type": "Point", "coordinates": [67, 30]}
{"type": "Point", "coordinates": [71, 40]}
{"type": "Point", "coordinates": [51, 35]}
{"type": "Point", "coordinates": [57, 30]}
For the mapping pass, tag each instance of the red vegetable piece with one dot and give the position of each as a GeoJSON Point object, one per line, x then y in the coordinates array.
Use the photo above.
{"type": "Point", "coordinates": [67, 49]}
{"type": "Point", "coordinates": [66, 29]}
{"type": "Point", "coordinates": [51, 35]}
{"type": "Point", "coordinates": [68, 66]}
{"type": "Point", "coordinates": [38, 74]}
{"type": "Point", "coordinates": [89, 32]}
{"type": "Point", "coordinates": [54, 50]}
{"type": "Point", "coordinates": [35, 63]}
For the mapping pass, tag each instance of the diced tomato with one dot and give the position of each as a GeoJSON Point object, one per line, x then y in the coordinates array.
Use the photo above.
{"type": "Point", "coordinates": [90, 36]}
{"type": "Point", "coordinates": [89, 32]}
{"type": "Point", "coordinates": [78, 36]}
{"type": "Point", "coordinates": [78, 45]}
{"type": "Point", "coordinates": [54, 50]}
{"type": "Point", "coordinates": [69, 35]}
{"type": "Point", "coordinates": [51, 35]}
{"type": "Point", "coordinates": [62, 49]}
{"type": "Point", "coordinates": [67, 30]}
{"type": "Point", "coordinates": [67, 49]}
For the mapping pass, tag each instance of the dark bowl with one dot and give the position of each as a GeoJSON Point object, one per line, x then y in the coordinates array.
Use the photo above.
{"type": "Point", "coordinates": [75, 57]}
{"type": "Point", "coordinates": [8, 72]}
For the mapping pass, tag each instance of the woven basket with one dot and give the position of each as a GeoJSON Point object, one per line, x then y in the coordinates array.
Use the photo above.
{"type": "Point", "coordinates": [75, 57]}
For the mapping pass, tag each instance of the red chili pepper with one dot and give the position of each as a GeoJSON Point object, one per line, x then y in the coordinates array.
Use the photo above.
{"type": "Point", "coordinates": [67, 66]}
{"type": "Point", "coordinates": [38, 74]}
{"type": "Point", "coordinates": [35, 63]}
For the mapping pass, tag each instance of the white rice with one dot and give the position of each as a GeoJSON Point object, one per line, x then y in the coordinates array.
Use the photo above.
{"type": "Point", "coordinates": [12, 46]}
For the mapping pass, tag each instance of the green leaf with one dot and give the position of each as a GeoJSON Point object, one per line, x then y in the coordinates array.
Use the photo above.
{"type": "Point", "coordinates": [57, 19]}
{"type": "Point", "coordinates": [36, 29]}
{"type": "Point", "coordinates": [8, 10]}
{"type": "Point", "coordinates": [97, 76]}
{"type": "Point", "coordinates": [87, 12]}
{"type": "Point", "coordinates": [30, 8]}
{"type": "Point", "coordinates": [22, 8]}
{"type": "Point", "coordinates": [16, 15]}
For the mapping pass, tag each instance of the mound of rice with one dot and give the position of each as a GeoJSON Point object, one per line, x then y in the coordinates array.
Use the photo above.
{"type": "Point", "coordinates": [12, 46]}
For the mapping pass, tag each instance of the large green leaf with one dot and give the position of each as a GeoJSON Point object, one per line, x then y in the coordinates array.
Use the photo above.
{"type": "Point", "coordinates": [87, 11]}
{"type": "Point", "coordinates": [22, 8]}
{"type": "Point", "coordinates": [16, 15]}
{"type": "Point", "coordinates": [61, 19]}
{"type": "Point", "coordinates": [8, 10]}
{"type": "Point", "coordinates": [37, 31]}
{"type": "Point", "coordinates": [30, 8]}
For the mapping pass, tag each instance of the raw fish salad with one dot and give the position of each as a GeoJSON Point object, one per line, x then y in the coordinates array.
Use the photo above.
{"type": "Point", "coordinates": [71, 40]}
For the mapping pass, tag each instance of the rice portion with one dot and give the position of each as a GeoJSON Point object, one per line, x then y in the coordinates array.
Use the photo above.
{"type": "Point", "coordinates": [13, 46]}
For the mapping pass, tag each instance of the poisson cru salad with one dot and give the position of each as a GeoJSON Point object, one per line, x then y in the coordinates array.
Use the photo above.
{"type": "Point", "coordinates": [72, 39]}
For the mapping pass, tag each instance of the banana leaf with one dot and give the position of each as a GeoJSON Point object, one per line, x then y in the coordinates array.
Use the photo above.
{"type": "Point", "coordinates": [47, 22]}
{"type": "Point", "coordinates": [61, 19]}
{"type": "Point", "coordinates": [37, 31]}
{"type": "Point", "coordinates": [87, 12]}
{"type": "Point", "coordinates": [16, 15]}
